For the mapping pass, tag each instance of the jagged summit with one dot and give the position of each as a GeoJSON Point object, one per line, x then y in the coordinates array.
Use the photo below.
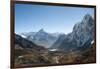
{"type": "Point", "coordinates": [87, 16]}
{"type": "Point", "coordinates": [87, 19]}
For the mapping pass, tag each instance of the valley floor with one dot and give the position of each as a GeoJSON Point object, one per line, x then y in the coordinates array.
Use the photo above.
{"type": "Point", "coordinates": [30, 58]}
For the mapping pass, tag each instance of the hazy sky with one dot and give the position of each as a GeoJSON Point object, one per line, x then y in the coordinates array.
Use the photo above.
{"type": "Point", "coordinates": [30, 18]}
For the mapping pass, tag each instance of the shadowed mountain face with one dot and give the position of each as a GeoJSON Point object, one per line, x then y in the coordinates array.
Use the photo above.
{"type": "Point", "coordinates": [59, 41]}
{"type": "Point", "coordinates": [83, 32]}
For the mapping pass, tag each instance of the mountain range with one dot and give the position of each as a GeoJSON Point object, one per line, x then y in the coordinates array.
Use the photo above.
{"type": "Point", "coordinates": [41, 37]}
{"type": "Point", "coordinates": [82, 32]}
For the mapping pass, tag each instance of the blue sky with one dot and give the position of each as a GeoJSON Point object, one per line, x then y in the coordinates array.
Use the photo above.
{"type": "Point", "coordinates": [31, 18]}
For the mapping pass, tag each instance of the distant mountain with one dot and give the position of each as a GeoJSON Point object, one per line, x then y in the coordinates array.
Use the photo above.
{"type": "Point", "coordinates": [83, 33]}
{"type": "Point", "coordinates": [41, 37]}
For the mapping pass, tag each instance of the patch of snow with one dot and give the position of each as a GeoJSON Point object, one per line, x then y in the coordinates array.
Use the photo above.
{"type": "Point", "coordinates": [53, 50]}
{"type": "Point", "coordinates": [23, 36]}
{"type": "Point", "coordinates": [92, 41]}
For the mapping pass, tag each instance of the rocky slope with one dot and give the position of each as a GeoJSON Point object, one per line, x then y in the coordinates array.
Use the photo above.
{"type": "Point", "coordinates": [83, 32]}
{"type": "Point", "coordinates": [27, 53]}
